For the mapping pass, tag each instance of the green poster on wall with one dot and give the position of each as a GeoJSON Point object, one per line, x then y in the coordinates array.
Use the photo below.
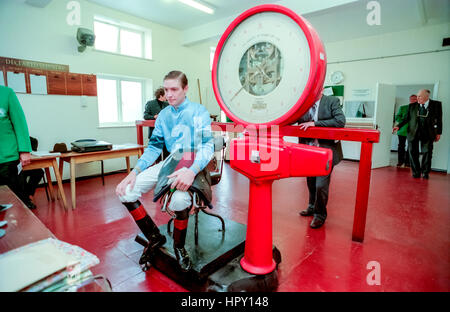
{"type": "Point", "coordinates": [337, 90]}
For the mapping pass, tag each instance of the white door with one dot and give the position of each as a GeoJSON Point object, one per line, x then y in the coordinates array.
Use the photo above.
{"type": "Point", "coordinates": [384, 110]}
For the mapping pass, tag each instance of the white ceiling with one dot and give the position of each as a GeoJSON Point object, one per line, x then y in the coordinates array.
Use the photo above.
{"type": "Point", "coordinates": [335, 20]}
{"type": "Point", "coordinates": [178, 15]}
{"type": "Point", "coordinates": [349, 21]}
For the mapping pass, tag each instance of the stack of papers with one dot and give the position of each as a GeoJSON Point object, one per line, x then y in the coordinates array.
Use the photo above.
{"type": "Point", "coordinates": [45, 153]}
{"type": "Point", "coordinates": [48, 264]}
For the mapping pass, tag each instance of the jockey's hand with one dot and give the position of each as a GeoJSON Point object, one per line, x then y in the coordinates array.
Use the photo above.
{"type": "Point", "coordinates": [122, 187]}
{"type": "Point", "coordinates": [182, 179]}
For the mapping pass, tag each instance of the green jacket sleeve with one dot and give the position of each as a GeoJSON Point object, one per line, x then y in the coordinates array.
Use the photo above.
{"type": "Point", "coordinates": [19, 123]}
{"type": "Point", "coordinates": [401, 114]}
{"type": "Point", "coordinates": [402, 120]}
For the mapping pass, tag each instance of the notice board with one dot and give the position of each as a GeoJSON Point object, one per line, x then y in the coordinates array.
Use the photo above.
{"type": "Point", "coordinates": [25, 76]}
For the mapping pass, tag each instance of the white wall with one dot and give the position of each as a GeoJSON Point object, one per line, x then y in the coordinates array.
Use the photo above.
{"type": "Point", "coordinates": [44, 35]}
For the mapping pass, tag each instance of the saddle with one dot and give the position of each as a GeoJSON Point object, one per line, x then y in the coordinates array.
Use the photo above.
{"type": "Point", "coordinates": [177, 160]}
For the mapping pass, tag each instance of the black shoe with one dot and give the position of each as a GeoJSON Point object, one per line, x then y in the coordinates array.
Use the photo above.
{"type": "Point", "coordinates": [307, 212]}
{"type": "Point", "coordinates": [157, 240]}
{"type": "Point", "coordinates": [317, 223]}
{"type": "Point", "coordinates": [425, 176]}
{"type": "Point", "coordinates": [183, 258]}
{"type": "Point", "coordinates": [399, 165]}
{"type": "Point", "coordinates": [416, 175]}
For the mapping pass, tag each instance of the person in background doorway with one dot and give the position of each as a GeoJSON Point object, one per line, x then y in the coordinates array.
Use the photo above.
{"type": "Point", "coordinates": [15, 146]}
{"type": "Point", "coordinates": [424, 119]}
{"type": "Point", "coordinates": [403, 155]}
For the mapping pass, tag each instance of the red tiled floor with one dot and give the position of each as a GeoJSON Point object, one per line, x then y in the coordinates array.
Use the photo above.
{"type": "Point", "coordinates": [407, 231]}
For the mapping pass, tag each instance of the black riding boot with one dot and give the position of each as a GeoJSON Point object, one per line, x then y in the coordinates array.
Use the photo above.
{"type": "Point", "coordinates": [179, 237]}
{"type": "Point", "coordinates": [148, 228]}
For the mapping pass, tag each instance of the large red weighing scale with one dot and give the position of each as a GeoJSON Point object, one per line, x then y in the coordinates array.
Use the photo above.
{"type": "Point", "coordinates": [269, 69]}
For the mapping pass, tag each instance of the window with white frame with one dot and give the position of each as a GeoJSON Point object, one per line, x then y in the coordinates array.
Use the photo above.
{"type": "Point", "coordinates": [120, 100]}
{"type": "Point", "coordinates": [122, 38]}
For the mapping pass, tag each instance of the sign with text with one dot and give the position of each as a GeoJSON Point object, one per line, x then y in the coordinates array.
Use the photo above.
{"type": "Point", "coordinates": [25, 76]}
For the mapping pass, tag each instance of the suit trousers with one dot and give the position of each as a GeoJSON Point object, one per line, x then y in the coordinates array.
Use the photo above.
{"type": "Point", "coordinates": [32, 179]}
{"type": "Point", "coordinates": [426, 146]}
{"type": "Point", "coordinates": [9, 176]}
{"type": "Point", "coordinates": [146, 181]}
{"type": "Point", "coordinates": [403, 154]}
{"type": "Point", "coordinates": [318, 188]}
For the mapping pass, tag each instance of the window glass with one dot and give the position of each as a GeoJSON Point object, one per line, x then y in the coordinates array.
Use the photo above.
{"type": "Point", "coordinates": [130, 43]}
{"type": "Point", "coordinates": [106, 37]}
{"type": "Point", "coordinates": [107, 100]}
{"type": "Point", "coordinates": [131, 100]}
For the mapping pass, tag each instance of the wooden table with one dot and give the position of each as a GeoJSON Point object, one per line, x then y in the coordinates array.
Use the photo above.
{"type": "Point", "coordinates": [117, 151]}
{"type": "Point", "coordinates": [23, 226]}
{"type": "Point", "coordinates": [46, 162]}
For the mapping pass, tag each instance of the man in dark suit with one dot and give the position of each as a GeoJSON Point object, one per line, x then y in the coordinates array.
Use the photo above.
{"type": "Point", "coordinates": [424, 120]}
{"type": "Point", "coordinates": [153, 107]}
{"type": "Point", "coordinates": [326, 112]}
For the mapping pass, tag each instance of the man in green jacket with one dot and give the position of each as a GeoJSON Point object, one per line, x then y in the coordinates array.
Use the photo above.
{"type": "Point", "coordinates": [15, 145]}
{"type": "Point", "coordinates": [403, 156]}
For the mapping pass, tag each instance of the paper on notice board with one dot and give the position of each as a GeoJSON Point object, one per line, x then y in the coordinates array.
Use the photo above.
{"type": "Point", "coordinates": [16, 81]}
{"type": "Point", "coordinates": [38, 84]}
{"type": "Point", "coordinates": [328, 91]}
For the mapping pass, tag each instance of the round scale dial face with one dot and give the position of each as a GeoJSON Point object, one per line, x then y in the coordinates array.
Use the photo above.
{"type": "Point", "coordinates": [263, 67]}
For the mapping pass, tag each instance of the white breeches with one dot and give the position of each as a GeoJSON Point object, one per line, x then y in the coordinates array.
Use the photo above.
{"type": "Point", "coordinates": [146, 181]}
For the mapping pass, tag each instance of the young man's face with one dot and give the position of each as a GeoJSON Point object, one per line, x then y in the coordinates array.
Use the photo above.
{"type": "Point", "coordinates": [174, 92]}
{"type": "Point", "coordinates": [413, 99]}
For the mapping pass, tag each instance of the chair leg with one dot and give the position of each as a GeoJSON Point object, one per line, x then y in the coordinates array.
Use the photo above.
{"type": "Point", "coordinates": [103, 174]}
{"type": "Point", "coordinates": [45, 187]}
{"type": "Point", "coordinates": [168, 226]}
{"type": "Point", "coordinates": [196, 229]}
{"type": "Point", "coordinates": [217, 216]}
